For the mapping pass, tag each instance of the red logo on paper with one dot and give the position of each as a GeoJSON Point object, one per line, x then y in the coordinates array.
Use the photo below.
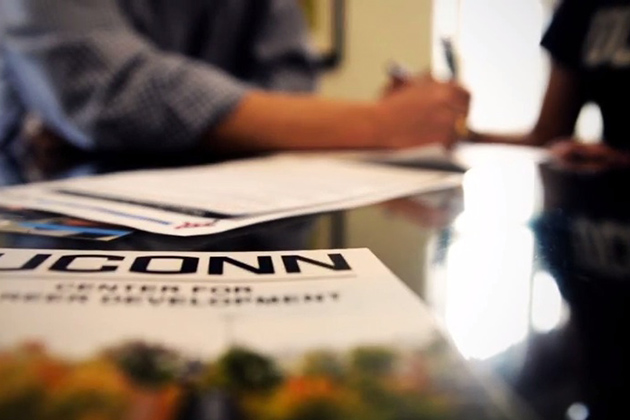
{"type": "Point", "coordinates": [190, 225]}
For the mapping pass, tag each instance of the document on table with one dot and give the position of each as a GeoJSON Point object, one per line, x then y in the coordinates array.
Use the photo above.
{"type": "Point", "coordinates": [215, 198]}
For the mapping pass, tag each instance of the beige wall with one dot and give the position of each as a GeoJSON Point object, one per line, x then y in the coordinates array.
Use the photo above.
{"type": "Point", "coordinates": [377, 32]}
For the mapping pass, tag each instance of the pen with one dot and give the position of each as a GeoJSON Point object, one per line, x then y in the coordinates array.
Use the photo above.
{"type": "Point", "coordinates": [451, 58]}
{"type": "Point", "coordinates": [461, 126]}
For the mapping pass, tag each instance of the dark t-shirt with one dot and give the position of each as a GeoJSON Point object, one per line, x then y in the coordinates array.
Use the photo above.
{"type": "Point", "coordinates": [592, 38]}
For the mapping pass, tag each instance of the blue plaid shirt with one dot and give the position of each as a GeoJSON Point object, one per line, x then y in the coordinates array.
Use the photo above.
{"type": "Point", "coordinates": [144, 74]}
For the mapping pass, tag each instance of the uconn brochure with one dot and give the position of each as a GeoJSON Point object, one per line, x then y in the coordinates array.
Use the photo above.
{"type": "Point", "coordinates": [328, 334]}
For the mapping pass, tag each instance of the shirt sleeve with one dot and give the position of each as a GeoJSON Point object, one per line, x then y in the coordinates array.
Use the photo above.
{"type": "Point", "coordinates": [11, 109]}
{"type": "Point", "coordinates": [283, 56]}
{"type": "Point", "coordinates": [564, 38]}
{"type": "Point", "coordinates": [82, 68]}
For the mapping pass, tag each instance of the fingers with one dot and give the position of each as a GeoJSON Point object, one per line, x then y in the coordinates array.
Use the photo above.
{"type": "Point", "coordinates": [459, 96]}
{"type": "Point", "coordinates": [447, 94]}
{"type": "Point", "coordinates": [574, 155]}
{"type": "Point", "coordinates": [395, 84]}
{"type": "Point", "coordinates": [441, 93]}
{"type": "Point", "coordinates": [575, 152]}
{"type": "Point", "coordinates": [451, 92]}
{"type": "Point", "coordinates": [423, 111]}
{"type": "Point", "coordinates": [445, 126]}
{"type": "Point", "coordinates": [400, 77]}
{"type": "Point", "coordinates": [458, 101]}
{"type": "Point", "coordinates": [562, 150]}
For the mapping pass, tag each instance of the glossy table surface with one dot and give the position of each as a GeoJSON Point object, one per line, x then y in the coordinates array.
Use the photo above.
{"type": "Point", "coordinates": [526, 266]}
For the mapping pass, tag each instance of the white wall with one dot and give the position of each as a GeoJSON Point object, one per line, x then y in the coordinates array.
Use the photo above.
{"type": "Point", "coordinates": [502, 63]}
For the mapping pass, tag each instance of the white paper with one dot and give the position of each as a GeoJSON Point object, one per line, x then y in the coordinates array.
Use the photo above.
{"type": "Point", "coordinates": [42, 303]}
{"type": "Point", "coordinates": [250, 187]}
{"type": "Point", "coordinates": [251, 191]}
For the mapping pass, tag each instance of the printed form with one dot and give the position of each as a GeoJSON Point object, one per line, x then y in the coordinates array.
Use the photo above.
{"type": "Point", "coordinates": [215, 198]}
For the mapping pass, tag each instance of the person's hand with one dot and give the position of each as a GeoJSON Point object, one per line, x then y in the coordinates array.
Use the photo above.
{"type": "Point", "coordinates": [573, 155]}
{"type": "Point", "coordinates": [422, 111]}
{"type": "Point", "coordinates": [399, 76]}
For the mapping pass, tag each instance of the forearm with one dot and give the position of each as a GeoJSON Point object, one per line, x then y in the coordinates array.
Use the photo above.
{"type": "Point", "coordinates": [423, 112]}
{"type": "Point", "coordinates": [270, 121]}
{"type": "Point", "coordinates": [559, 111]}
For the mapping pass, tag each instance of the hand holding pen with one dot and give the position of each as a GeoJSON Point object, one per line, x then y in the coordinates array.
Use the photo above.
{"type": "Point", "coordinates": [452, 61]}
{"type": "Point", "coordinates": [420, 110]}
{"type": "Point", "coordinates": [451, 58]}
{"type": "Point", "coordinates": [401, 76]}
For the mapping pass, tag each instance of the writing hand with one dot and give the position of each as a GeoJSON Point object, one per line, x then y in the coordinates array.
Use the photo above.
{"type": "Point", "coordinates": [423, 111]}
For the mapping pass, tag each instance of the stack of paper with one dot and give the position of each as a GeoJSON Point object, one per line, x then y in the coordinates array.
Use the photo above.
{"type": "Point", "coordinates": [215, 198]}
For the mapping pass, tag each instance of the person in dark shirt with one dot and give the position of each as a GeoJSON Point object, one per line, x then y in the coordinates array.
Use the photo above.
{"type": "Point", "coordinates": [589, 45]}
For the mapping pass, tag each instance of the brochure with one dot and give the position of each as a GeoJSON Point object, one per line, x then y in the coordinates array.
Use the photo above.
{"type": "Point", "coordinates": [32, 222]}
{"type": "Point", "coordinates": [326, 334]}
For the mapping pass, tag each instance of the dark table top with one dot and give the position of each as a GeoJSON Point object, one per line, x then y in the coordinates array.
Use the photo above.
{"type": "Point", "coordinates": [527, 266]}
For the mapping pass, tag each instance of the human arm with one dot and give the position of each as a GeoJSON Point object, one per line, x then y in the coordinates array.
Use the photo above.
{"type": "Point", "coordinates": [103, 86]}
{"type": "Point", "coordinates": [564, 41]}
{"type": "Point", "coordinates": [93, 80]}
{"type": "Point", "coordinates": [558, 114]}
{"type": "Point", "coordinates": [573, 155]}
{"type": "Point", "coordinates": [11, 108]}
{"type": "Point", "coordinates": [423, 111]}
{"type": "Point", "coordinates": [555, 128]}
